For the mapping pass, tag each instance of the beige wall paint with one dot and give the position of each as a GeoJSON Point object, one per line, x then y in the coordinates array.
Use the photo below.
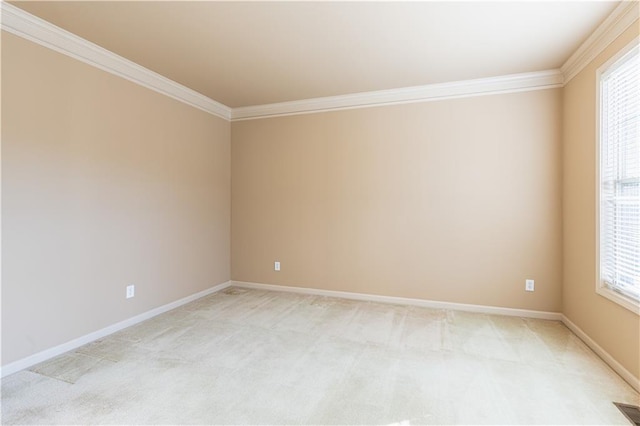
{"type": "Point", "coordinates": [613, 327]}
{"type": "Point", "coordinates": [456, 200]}
{"type": "Point", "coordinates": [104, 184]}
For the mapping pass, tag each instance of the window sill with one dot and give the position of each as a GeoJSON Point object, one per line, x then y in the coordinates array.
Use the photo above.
{"type": "Point", "coordinates": [625, 302]}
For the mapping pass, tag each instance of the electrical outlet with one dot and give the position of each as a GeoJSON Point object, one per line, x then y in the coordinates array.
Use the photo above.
{"type": "Point", "coordinates": [529, 285]}
{"type": "Point", "coordinates": [131, 291]}
{"type": "Point", "coordinates": [276, 266]}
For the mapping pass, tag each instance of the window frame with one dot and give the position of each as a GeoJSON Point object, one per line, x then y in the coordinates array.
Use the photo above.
{"type": "Point", "coordinates": [601, 289]}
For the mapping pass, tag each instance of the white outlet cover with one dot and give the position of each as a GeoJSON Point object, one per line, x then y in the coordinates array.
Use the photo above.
{"type": "Point", "coordinates": [276, 266]}
{"type": "Point", "coordinates": [529, 285]}
{"type": "Point", "coordinates": [131, 291]}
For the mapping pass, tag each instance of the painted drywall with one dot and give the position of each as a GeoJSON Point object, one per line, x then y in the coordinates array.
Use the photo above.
{"type": "Point", "coordinates": [455, 200]}
{"type": "Point", "coordinates": [104, 184]}
{"type": "Point", "coordinates": [614, 328]}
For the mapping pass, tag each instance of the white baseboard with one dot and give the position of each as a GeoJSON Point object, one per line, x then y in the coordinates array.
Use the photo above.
{"type": "Point", "coordinates": [606, 357]}
{"type": "Point", "coordinates": [39, 357]}
{"type": "Point", "coordinates": [495, 310]}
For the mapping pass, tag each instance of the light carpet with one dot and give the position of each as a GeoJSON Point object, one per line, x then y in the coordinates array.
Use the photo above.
{"type": "Point", "coordinates": [257, 357]}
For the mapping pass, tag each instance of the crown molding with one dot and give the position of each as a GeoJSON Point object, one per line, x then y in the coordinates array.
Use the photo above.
{"type": "Point", "coordinates": [25, 25]}
{"type": "Point", "coordinates": [625, 14]}
{"type": "Point", "coordinates": [432, 92]}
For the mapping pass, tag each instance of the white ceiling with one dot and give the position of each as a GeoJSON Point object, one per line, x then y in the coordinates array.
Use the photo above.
{"type": "Point", "coordinates": [252, 53]}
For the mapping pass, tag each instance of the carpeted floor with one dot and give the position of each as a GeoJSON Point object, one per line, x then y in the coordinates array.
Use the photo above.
{"type": "Point", "coordinates": [248, 356]}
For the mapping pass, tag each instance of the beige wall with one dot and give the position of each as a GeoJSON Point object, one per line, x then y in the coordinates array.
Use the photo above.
{"type": "Point", "coordinates": [455, 200]}
{"type": "Point", "coordinates": [613, 327]}
{"type": "Point", "coordinates": [104, 184]}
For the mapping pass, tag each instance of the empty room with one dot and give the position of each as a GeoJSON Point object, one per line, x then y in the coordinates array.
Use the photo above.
{"type": "Point", "coordinates": [320, 212]}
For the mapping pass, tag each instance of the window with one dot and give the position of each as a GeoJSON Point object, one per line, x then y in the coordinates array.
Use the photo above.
{"type": "Point", "coordinates": [619, 178]}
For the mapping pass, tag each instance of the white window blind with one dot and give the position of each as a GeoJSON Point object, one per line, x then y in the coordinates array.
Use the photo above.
{"type": "Point", "coordinates": [620, 176]}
